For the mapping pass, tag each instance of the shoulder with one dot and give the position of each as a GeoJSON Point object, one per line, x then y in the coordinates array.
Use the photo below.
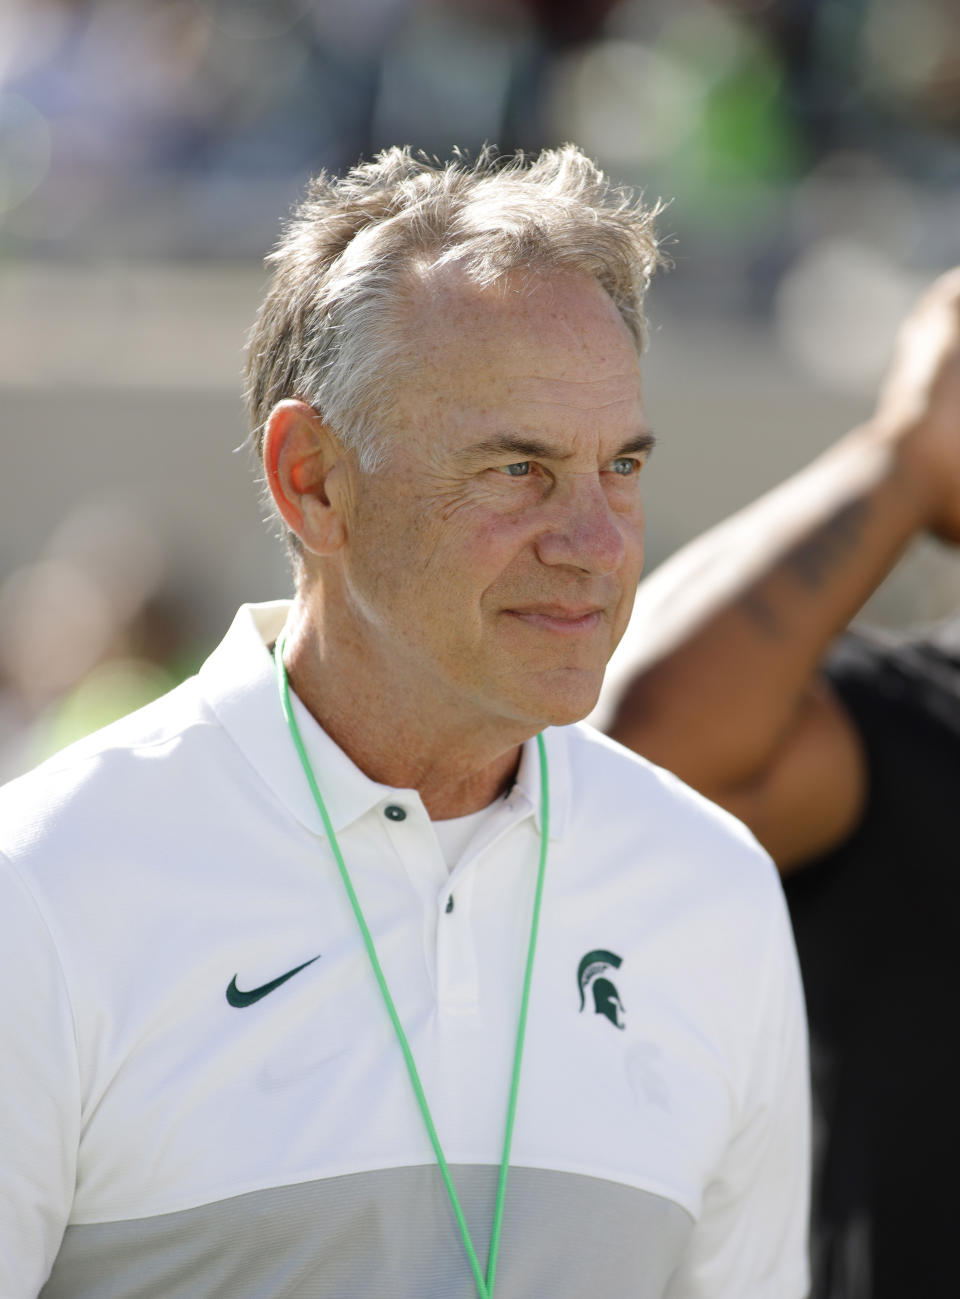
{"type": "Point", "coordinates": [86, 784]}
{"type": "Point", "coordinates": [876, 674]}
{"type": "Point", "coordinates": [606, 773]}
{"type": "Point", "coordinates": [873, 654]}
{"type": "Point", "coordinates": [644, 814]}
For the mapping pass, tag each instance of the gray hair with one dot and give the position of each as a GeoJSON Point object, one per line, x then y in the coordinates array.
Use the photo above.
{"type": "Point", "coordinates": [329, 330]}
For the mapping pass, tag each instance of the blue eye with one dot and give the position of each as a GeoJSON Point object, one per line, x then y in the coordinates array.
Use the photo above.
{"type": "Point", "coordinates": [518, 470]}
{"type": "Point", "coordinates": [625, 465]}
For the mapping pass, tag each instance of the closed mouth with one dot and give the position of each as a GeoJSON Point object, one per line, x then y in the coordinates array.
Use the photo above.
{"type": "Point", "coordinates": [559, 618]}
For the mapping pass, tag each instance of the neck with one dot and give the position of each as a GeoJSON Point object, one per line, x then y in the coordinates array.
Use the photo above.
{"type": "Point", "coordinates": [394, 734]}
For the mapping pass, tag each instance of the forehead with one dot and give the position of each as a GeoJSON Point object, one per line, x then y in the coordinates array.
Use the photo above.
{"type": "Point", "coordinates": [533, 347]}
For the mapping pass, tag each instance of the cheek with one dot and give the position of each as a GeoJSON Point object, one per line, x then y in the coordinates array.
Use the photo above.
{"type": "Point", "coordinates": [632, 529]}
{"type": "Point", "coordinates": [638, 536]}
{"type": "Point", "coordinates": [466, 542]}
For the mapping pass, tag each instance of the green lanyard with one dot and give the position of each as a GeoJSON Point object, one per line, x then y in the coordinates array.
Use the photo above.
{"type": "Point", "coordinates": [484, 1284]}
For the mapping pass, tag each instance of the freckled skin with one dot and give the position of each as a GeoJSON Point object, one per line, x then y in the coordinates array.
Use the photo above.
{"type": "Point", "coordinates": [472, 599]}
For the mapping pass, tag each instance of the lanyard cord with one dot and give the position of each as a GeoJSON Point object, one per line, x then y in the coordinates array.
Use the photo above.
{"type": "Point", "coordinates": [484, 1285]}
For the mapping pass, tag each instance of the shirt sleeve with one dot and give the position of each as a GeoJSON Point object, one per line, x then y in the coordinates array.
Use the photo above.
{"type": "Point", "coordinates": [39, 1094]}
{"type": "Point", "coordinates": [751, 1240]}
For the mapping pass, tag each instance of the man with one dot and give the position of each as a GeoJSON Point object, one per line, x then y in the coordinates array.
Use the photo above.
{"type": "Point", "coordinates": [847, 766]}
{"type": "Point", "coordinates": [271, 1002]}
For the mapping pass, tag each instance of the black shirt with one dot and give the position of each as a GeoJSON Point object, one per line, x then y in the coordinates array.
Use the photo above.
{"type": "Point", "coordinates": [877, 924]}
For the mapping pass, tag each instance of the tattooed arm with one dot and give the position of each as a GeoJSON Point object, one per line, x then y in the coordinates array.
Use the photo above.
{"type": "Point", "coordinates": [728, 634]}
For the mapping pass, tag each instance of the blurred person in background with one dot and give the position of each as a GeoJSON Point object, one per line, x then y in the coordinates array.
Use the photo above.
{"type": "Point", "coordinates": [88, 631]}
{"type": "Point", "coordinates": [210, 1085]}
{"type": "Point", "coordinates": [843, 757]}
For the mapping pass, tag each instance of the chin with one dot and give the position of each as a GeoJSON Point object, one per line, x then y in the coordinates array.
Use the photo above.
{"type": "Point", "coordinates": [572, 704]}
{"type": "Point", "coordinates": [567, 716]}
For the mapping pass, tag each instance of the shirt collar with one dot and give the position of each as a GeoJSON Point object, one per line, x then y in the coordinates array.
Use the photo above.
{"type": "Point", "coordinates": [527, 784]}
{"type": "Point", "coordinates": [238, 681]}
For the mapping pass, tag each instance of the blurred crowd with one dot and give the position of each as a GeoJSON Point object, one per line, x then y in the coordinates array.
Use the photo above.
{"type": "Point", "coordinates": [810, 150]}
{"type": "Point", "coordinates": [783, 128]}
{"type": "Point", "coordinates": [89, 631]}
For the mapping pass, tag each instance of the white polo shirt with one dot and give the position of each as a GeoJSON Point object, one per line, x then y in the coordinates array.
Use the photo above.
{"type": "Point", "coordinates": [202, 1094]}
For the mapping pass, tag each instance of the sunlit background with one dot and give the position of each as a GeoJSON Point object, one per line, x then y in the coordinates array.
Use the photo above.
{"type": "Point", "coordinates": [149, 148]}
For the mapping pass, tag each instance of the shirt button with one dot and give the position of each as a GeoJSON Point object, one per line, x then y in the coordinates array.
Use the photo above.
{"type": "Point", "coordinates": [449, 907]}
{"type": "Point", "coordinates": [394, 813]}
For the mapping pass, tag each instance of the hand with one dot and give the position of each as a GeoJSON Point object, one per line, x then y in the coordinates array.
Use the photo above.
{"type": "Point", "coordinates": [919, 403]}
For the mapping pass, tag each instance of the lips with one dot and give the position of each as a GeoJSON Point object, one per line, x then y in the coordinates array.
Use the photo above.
{"type": "Point", "coordinates": [560, 618]}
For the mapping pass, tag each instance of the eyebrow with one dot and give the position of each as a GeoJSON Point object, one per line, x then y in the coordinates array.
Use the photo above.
{"type": "Point", "coordinates": [525, 448]}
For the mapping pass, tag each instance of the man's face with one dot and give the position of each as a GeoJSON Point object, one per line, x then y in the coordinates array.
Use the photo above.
{"type": "Point", "coordinates": [492, 560]}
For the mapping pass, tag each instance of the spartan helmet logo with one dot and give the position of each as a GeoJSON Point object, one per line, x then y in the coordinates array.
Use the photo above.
{"type": "Point", "coordinates": [606, 999]}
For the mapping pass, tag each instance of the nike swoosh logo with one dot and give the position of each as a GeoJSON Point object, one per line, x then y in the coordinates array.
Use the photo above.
{"type": "Point", "coordinates": [237, 998]}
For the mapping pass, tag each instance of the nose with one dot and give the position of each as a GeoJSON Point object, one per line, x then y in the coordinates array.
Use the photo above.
{"type": "Point", "coordinates": [581, 531]}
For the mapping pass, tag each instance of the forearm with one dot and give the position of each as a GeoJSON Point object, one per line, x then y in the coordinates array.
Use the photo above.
{"type": "Point", "coordinates": [734, 625]}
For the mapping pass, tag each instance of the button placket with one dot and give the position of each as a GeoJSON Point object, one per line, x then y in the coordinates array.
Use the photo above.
{"type": "Point", "coordinates": [410, 836]}
{"type": "Point", "coordinates": [458, 969]}
{"type": "Point", "coordinates": [458, 973]}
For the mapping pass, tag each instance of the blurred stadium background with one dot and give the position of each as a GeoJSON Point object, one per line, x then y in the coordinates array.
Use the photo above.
{"type": "Point", "coordinates": [149, 148]}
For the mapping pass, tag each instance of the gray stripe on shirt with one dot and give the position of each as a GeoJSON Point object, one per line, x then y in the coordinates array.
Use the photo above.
{"type": "Point", "coordinates": [390, 1232]}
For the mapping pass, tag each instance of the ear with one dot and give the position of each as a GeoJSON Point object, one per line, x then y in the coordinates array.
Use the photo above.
{"type": "Point", "coordinates": [303, 461]}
